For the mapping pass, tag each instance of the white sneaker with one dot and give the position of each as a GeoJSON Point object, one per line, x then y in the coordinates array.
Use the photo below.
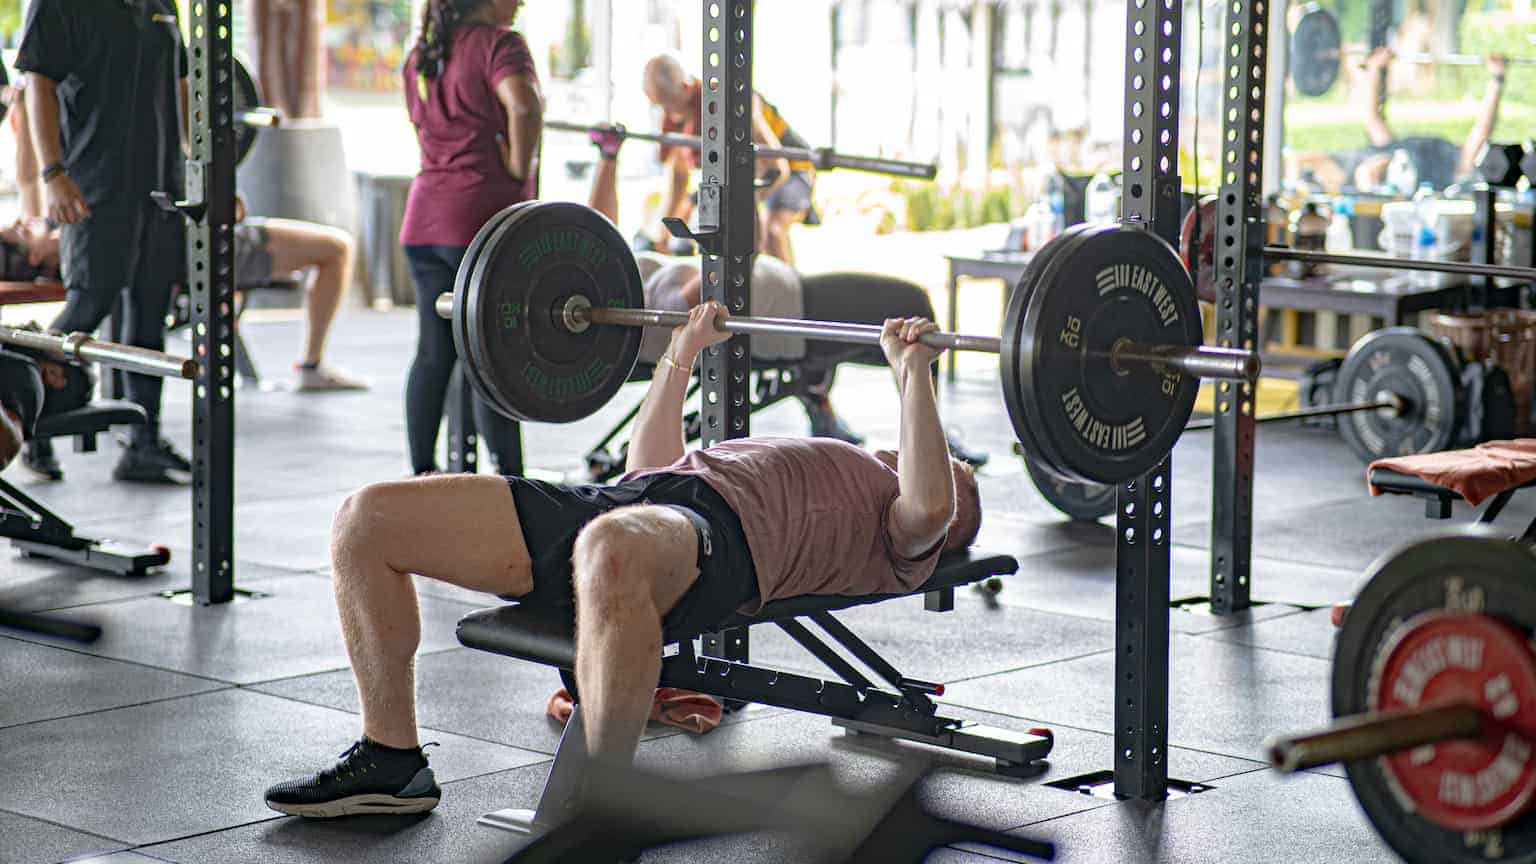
{"type": "Point", "coordinates": [325, 378]}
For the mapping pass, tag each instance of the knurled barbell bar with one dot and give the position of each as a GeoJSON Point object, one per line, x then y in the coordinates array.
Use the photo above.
{"type": "Point", "coordinates": [1316, 47]}
{"type": "Point", "coordinates": [1100, 350]}
{"type": "Point", "coordinates": [84, 348]}
{"type": "Point", "coordinates": [1434, 695]}
{"type": "Point", "coordinates": [1399, 391]}
{"type": "Point", "coordinates": [824, 158]}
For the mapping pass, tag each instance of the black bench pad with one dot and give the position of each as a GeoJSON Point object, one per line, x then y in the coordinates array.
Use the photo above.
{"type": "Point", "coordinates": [98, 416]}
{"type": "Point", "coordinates": [534, 633]}
{"type": "Point", "coordinates": [1398, 483]}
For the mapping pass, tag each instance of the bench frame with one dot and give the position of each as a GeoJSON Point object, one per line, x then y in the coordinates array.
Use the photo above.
{"type": "Point", "coordinates": [1438, 499]}
{"type": "Point", "coordinates": [718, 666]}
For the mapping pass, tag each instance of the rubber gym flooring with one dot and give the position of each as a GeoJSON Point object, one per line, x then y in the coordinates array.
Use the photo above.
{"type": "Point", "coordinates": [155, 743]}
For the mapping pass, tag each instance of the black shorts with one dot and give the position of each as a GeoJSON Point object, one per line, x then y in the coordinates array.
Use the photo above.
{"type": "Point", "coordinates": [793, 196]}
{"type": "Point", "coordinates": [552, 515]}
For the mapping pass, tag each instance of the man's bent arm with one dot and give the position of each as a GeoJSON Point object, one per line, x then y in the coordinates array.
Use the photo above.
{"type": "Point", "coordinates": [657, 439]}
{"type": "Point", "coordinates": [920, 515]}
{"type": "Point", "coordinates": [1376, 127]}
{"type": "Point", "coordinates": [1487, 117]}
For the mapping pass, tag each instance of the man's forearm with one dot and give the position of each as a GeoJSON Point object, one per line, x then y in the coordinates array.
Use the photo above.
{"type": "Point", "coordinates": [676, 203]}
{"type": "Point", "coordinates": [43, 117]}
{"type": "Point", "coordinates": [1375, 108]}
{"type": "Point", "coordinates": [927, 483]}
{"type": "Point", "coordinates": [657, 440]}
{"type": "Point", "coordinates": [1487, 118]}
{"type": "Point", "coordinates": [604, 197]}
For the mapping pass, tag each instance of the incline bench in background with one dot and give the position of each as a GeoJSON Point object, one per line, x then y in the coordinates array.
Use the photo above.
{"type": "Point", "coordinates": [1438, 499]}
{"type": "Point", "coordinates": [904, 710]}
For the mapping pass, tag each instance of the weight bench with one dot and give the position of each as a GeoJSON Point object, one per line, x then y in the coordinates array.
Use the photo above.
{"type": "Point", "coordinates": [40, 533]}
{"type": "Point", "coordinates": [720, 667]}
{"type": "Point", "coordinates": [1438, 499]}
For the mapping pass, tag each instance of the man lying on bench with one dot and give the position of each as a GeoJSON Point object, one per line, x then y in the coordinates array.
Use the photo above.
{"type": "Point", "coordinates": [682, 542]}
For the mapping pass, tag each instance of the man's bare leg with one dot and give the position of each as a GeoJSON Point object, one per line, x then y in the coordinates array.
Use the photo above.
{"type": "Point", "coordinates": [631, 567]}
{"type": "Point", "coordinates": [460, 529]}
{"type": "Point", "coordinates": [300, 245]}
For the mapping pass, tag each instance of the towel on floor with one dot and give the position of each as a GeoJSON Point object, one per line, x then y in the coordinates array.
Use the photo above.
{"type": "Point", "coordinates": [1476, 474]}
{"type": "Point", "coordinates": [684, 709]}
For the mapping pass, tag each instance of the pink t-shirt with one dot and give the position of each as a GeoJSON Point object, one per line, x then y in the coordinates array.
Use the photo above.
{"type": "Point", "coordinates": [462, 128]}
{"type": "Point", "coordinates": [814, 511]}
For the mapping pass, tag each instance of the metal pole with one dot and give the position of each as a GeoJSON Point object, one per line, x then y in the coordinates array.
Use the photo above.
{"type": "Point", "coordinates": [1367, 736]}
{"type": "Point", "coordinates": [1527, 274]}
{"type": "Point", "coordinates": [1396, 404]}
{"type": "Point", "coordinates": [823, 158]}
{"type": "Point", "coordinates": [79, 346]}
{"type": "Point", "coordinates": [1200, 361]}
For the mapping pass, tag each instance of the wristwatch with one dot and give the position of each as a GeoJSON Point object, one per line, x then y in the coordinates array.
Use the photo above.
{"type": "Point", "coordinates": [53, 171]}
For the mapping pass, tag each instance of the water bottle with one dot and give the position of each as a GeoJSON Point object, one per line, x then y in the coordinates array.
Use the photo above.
{"type": "Point", "coordinates": [1424, 250]}
{"type": "Point", "coordinates": [1341, 237]}
{"type": "Point", "coordinates": [1099, 201]}
{"type": "Point", "coordinates": [1056, 197]}
{"type": "Point", "coordinates": [1401, 175]}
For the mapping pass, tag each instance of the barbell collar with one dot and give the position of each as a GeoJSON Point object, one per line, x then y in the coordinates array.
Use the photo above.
{"type": "Point", "coordinates": [823, 157]}
{"type": "Point", "coordinates": [79, 346]}
{"type": "Point", "coordinates": [444, 305]}
{"type": "Point", "coordinates": [1370, 735]}
{"type": "Point", "coordinates": [261, 118]}
{"type": "Point", "coordinates": [1224, 364]}
{"type": "Point", "coordinates": [1467, 268]}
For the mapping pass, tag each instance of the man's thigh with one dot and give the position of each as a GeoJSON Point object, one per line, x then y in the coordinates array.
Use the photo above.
{"type": "Point", "coordinates": [657, 544]}
{"type": "Point", "coordinates": [461, 529]}
{"type": "Point", "coordinates": [100, 254]}
{"type": "Point", "coordinates": [294, 244]}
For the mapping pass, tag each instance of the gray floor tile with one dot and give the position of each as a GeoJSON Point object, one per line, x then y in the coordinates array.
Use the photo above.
{"type": "Point", "coordinates": [292, 630]}
{"type": "Point", "coordinates": [969, 641]}
{"type": "Point", "coordinates": [470, 693]}
{"type": "Point", "coordinates": [292, 533]}
{"type": "Point", "coordinates": [169, 769]}
{"type": "Point", "coordinates": [1310, 633]}
{"type": "Point", "coordinates": [37, 584]}
{"type": "Point", "coordinates": [1224, 698]}
{"type": "Point", "coordinates": [1256, 817]}
{"type": "Point", "coordinates": [448, 833]}
{"type": "Point", "coordinates": [24, 840]}
{"type": "Point", "coordinates": [117, 858]}
{"type": "Point", "coordinates": [42, 682]}
{"type": "Point", "coordinates": [960, 786]}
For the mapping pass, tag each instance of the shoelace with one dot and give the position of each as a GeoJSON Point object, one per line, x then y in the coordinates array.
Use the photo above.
{"type": "Point", "coordinates": [345, 766]}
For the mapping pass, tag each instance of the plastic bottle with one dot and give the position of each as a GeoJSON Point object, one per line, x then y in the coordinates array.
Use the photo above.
{"type": "Point", "coordinates": [1100, 202]}
{"type": "Point", "coordinates": [1401, 175]}
{"type": "Point", "coordinates": [1424, 250]}
{"type": "Point", "coordinates": [1308, 230]}
{"type": "Point", "coordinates": [1341, 236]}
{"type": "Point", "coordinates": [1056, 198]}
{"type": "Point", "coordinates": [1040, 224]}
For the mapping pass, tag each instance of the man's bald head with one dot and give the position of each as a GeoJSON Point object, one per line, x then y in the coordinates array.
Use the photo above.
{"type": "Point", "coordinates": [666, 83]}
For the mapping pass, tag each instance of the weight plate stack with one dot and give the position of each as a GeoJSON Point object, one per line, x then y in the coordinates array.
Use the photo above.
{"type": "Point", "coordinates": [1407, 363]}
{"type": "Point", "coordinates": [247, 97]}
{"type": "Point", "coordinates": [528, 263]}
{"type": "Point", "coordinates": [1315, 45]}
{"type": "Point", "coordinates": [1448, 619]}
{"type": "Point", "coordinates": [1078, 414]}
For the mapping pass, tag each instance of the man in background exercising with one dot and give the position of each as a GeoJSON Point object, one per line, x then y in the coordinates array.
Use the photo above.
{"type": "Point", "coordinates": [681, 542]}
{"type": "Point", "coordinates": [787, 199]}
{"type": "Point", "coordinates": [105, 82]}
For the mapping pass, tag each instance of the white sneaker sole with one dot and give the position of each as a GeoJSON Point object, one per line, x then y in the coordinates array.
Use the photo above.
{"type": "Point", "coordinates": [357, 805]}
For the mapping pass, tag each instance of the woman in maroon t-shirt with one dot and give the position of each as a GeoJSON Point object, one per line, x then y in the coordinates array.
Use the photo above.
{"type": "Point", "coordinates": [473, 95]}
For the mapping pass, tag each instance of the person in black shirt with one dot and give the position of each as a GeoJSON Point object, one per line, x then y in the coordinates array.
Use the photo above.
{"type": "Point", "coordinates": [107, 79]}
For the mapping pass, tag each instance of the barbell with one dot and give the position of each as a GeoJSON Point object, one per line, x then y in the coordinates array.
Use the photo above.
{"type": "Point", "coordinates": [824, 158]}
{"type": "Point", "coordinates": [1434, 699]}
{"type": "Point", "coordinates": [1316, 48]}
{"type": "Point", "coordinates": [81, 347]}
{"type": "Point", "coordinates": [1398, 389]}
{"type": "Point", "coordinates": [1099, 352]}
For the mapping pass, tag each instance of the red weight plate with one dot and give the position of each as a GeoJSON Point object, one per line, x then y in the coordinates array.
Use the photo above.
{"type": "Point", "coordinates": [1200, 260]}
{"type": "Point", "coordinates": [1446, 657]}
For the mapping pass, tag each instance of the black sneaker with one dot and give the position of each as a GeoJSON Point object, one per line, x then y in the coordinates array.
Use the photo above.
{"type": "Point", "coordinates": [370, 778]}
{"type": "Point", "coordinates": [38, 458]}
{"type": "Point", "coordinates": [973, 458]}
{"type": "Point", "coordinates": [826, 424]}
{"type": "Point", "coordinates": [153, 462]}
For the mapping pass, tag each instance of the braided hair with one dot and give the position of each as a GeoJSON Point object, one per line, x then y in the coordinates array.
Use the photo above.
{"type": "Point", "coordinates": [439, 20]}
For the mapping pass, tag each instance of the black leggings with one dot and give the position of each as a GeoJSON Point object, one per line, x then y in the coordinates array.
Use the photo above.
{"type": "Point", "coordinates": [864, 298]}
{"type": "Point", "coordinates": [433, 268]}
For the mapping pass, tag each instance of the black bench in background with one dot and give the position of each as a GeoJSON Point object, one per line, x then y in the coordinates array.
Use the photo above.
{"type": "Point", "coordinates": [1438, 499]}
{"type": "Point", "coordinates": [719, 667]}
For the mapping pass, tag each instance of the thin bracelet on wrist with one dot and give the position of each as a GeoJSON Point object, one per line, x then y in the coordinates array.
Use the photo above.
{"type": "Point", "coordinates": [52, 171]}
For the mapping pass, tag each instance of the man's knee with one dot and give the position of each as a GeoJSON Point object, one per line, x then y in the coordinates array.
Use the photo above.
{"type": "Point", "coordinates": [338, 244]}
{"type": "Point", "coordinates": [363, 522]}
{"type": "Point", "coordinates": [624, 558]}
